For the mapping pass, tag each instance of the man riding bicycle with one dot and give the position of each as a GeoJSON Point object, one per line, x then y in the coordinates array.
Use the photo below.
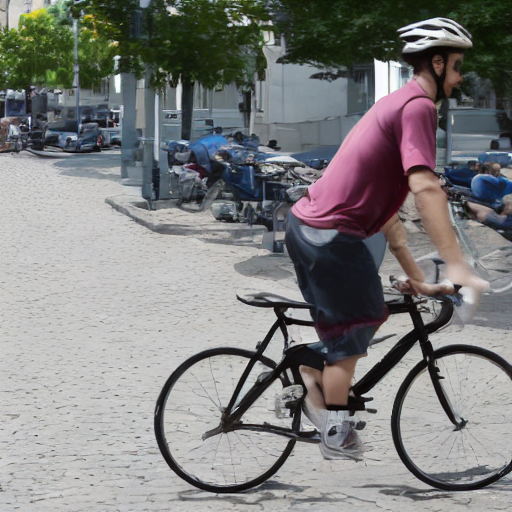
{"type": "Point", "coordinates": [356, 199]}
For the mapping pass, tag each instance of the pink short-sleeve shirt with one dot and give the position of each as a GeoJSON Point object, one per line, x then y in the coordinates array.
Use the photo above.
{"type": "Point", "coordinates": [366, 182]}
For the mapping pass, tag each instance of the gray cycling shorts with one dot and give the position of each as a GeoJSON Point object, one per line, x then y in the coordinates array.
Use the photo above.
{"type": "Point", "coordinates": [337, 273]}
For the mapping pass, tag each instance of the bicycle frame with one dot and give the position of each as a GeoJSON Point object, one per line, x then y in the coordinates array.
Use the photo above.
{"type": "Point", "coordinates": [292, 360]}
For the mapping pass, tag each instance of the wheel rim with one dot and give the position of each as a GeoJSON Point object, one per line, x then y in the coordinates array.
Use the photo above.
{"type": "Point", "coordinates": [478, 452]}
{"type": "Point", "coordinates": [193, 405]}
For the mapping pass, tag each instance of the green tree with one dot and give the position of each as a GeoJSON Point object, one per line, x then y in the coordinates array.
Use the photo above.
{"type": "Point", "coordinates": [335, 33]}
{"type": "Point", "coordinates": [38, 46]}
{"type": "Point", "coordinates": [95, 51]}
{"type": "Point", "coordinates": [205, 41]}
{"type": "Point", "coordinates": [40, 51]}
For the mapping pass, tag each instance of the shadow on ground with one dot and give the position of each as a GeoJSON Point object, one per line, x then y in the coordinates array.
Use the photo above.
{"type": "Point", "coordinates": [101, 166]}
{"type": "Point", "coordinates": [274, 267]}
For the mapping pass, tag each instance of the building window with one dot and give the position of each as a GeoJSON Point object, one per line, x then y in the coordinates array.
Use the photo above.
{"type": "Point", "coordinates": [200, 97]}
{"type": "Point", "coordinates": [361, 90]}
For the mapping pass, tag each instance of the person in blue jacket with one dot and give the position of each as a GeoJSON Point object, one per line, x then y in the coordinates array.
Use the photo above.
{"type": "Point", "coordinates": [492, 186]}
{"type": "Point", "coordinates": [487, 216]}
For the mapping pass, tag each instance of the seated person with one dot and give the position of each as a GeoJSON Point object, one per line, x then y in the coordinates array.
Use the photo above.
{"type": "Point", "coordinates": [489, 217]}
{"type": "Point", "coordinates": [462, 176]}
{"type": "Point", "coordinates": [491, 185]}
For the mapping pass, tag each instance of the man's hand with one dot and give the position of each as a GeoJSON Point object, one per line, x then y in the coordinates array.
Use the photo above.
{"type": "Point", "coordinates": [433, 210]}
{"type": "Point", "coordinates": [412, 287]}
{"type": "Point", "coordinates": [463, 275]}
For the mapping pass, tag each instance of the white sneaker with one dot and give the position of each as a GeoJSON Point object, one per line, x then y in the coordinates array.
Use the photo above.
{"type": "Point", "coordinates": [340, 439]}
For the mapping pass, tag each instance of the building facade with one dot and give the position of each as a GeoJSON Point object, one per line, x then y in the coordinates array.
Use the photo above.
{"type": "Point", "coordinates": [11, 10]}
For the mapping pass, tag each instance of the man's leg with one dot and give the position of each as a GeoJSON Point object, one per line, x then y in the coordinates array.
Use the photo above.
{"type": "Point", "coordinates": [336, 380]}
{"type": "Point", "coordinates": [313, 381]}
{"type": "Point", "coordinates": [339, 437]}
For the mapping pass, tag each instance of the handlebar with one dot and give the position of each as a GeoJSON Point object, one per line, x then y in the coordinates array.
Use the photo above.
{"type": "Point", "coordinates": [456, 297]}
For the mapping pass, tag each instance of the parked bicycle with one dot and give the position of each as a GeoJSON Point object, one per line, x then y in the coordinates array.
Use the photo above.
{"type": "Point", "coordinates": [493, 263]}
{"type": "Point", "coordinates": [450, 420]}
{"type": "Point", "coordinates": [491, 258]}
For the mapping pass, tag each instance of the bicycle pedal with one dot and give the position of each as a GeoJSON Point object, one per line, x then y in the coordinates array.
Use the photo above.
{"type": "Point", "coordinates": [287, 400]}
{"type": "Point", "coordinates": [371, 411]}
{"type": "Point", "coordinates": [358, 425]}
{"type": "Point", "coordinates": [358, 403]}
{"type": "Point", "coordinates": [292, 404]}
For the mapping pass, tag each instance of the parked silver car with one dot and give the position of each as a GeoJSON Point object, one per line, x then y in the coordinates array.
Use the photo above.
{"type": "Point", "coordinates": [64, 134]}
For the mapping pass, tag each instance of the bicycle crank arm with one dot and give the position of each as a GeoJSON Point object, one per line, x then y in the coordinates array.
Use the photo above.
{"type": "Point", "coordinates": [213, 432]}
{"type": "Point", "coordinates": [305, 436]}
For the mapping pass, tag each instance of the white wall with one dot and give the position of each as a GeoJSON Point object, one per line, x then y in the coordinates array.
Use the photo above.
{"type": "Point", "coordinates": [298, 111]}
{"type": "Point", "coordinates": [388, 77]}
{"type": "Point", "coordinates": [292, 96]}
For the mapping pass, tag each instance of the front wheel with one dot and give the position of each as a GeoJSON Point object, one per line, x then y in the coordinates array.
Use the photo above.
{"type": "Point", "coordinates": [191, 404]}
{"type": "Point", "coordinates": [478, 450]}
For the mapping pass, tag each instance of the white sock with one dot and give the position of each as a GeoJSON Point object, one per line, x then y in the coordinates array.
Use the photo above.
{"type": "Point", "coordinates": [335, 417]}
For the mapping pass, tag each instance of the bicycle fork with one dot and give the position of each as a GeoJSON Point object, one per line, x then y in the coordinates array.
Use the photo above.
{"type": "Point", "coordinates": [435, 373]}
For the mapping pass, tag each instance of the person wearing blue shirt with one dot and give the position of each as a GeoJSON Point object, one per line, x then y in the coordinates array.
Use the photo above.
{"type": "Point", "coordinates": [487, 216]}
{"type": "Point", "coordinates": [491, 187]}
{"type": "Point", "coordinates": [462, 176]}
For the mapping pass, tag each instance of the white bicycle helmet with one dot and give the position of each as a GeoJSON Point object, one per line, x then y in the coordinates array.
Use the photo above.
{"type": "Point", "coordinates": [432, 33]}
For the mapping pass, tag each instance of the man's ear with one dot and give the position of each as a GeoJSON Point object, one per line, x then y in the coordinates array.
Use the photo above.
{"type": "Point", "coordinates": [438, 64]}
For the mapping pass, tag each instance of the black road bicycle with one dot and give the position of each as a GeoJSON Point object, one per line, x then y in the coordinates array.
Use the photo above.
{"type": "Point", "coordinates": [451, 418]}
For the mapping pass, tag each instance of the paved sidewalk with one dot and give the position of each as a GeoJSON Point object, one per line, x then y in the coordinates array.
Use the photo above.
{"type": "Point", "coordinates": [97, 310]}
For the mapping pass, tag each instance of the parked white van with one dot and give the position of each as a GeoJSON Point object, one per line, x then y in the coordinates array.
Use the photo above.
{"type": "Point", "coordinates": [469, 132]}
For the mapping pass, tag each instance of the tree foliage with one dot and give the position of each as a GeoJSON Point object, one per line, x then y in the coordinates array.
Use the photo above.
{"type": "Point", "coordinates": [205, 41]}
{"type": "Point", "coordinates": [335, 33]}
{"type": "Point", "coordinates": [38, 46]}
{"type": "Point", "coordinates": [208, 42]}
{"type": "Point", "coordinates": [40, 51]}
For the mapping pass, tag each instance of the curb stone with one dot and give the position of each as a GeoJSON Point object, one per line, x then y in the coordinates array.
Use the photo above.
{"type": "Point", "coordinates": [168, 219]}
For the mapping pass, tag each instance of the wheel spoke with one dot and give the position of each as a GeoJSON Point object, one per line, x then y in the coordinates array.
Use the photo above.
{"type": "Point", "coordinates": [480, 391]}
{"type": "Point", "coordinates": [191, 404]}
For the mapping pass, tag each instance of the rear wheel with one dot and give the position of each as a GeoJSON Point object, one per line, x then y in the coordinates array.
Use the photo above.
{"type": "Point", "coordinates": [191, 404]}
{"type": "Point", "coordinates": [476, 452]}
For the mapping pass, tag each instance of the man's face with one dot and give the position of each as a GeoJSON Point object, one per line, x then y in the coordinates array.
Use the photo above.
{"type": "Point", "coordinates": [453, 74]}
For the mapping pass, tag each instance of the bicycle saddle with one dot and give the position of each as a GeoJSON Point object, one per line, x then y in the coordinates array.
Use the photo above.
{"type": "Point", "coordinates": [271, 300]}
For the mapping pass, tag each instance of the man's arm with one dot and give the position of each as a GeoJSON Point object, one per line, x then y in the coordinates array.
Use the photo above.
{"type": "Point", "coordinates": [433, 209]}
{"type": "Point", "coordinates": [480, 211]}
{"type": "Point", "coordinates": [396, 236]}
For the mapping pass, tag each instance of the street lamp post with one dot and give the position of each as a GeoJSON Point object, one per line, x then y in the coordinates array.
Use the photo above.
{"type": "Point", "coordinates": [76, 76]}
{"type": "Point", "coordinates": [149, 131]}
{"type": "Point", "coordinates": [76, 68]}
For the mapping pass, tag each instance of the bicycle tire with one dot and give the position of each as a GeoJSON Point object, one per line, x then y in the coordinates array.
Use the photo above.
{"type": "Point", "coordinates": [231, 462]}
{"type": "Point", "coordinates": [478, 384]}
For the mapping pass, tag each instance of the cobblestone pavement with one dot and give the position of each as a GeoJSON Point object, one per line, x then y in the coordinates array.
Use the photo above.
{"type": "Point", "coordinates": [95, 313]}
